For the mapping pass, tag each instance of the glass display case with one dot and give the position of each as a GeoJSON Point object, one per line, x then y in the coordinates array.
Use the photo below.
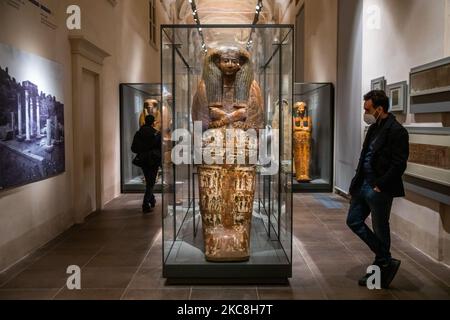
{"type": "Point", "coordinates": [132, 113]}
{"type": "Point", "coordinates": [225, 220]}
{"type": "Point", "coordinates": [313, 137]}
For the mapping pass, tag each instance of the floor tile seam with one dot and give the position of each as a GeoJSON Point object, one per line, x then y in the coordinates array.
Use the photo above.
{"type": "Point", "coordinates": [81, 269]}
{"type": "Point", "coordinates": [308, 261]}
{"type": "Point", "coordinates": [141, 264]}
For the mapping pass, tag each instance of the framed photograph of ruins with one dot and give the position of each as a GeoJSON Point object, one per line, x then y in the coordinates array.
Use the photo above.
{"type": "Point", "coordinates": [378, 84]}
{"type": "Point", "coordinates": [429, 158]}
{"type": "Point", "coordinates": [32, 144]}
{"type": "Point", "coordinates": [430, 87]}
{"type": "Point", "coordinates": [398, 96]}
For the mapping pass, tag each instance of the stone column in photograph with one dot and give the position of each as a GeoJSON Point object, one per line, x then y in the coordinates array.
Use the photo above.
{"type": "Point", "coordinates": [27, 115]}
{"type": "Point", "coordinates": [12, 121]}
{"type": "Point", "coordinates": [55, 128]}
{"type": "Point", "coordinates": [32, 107]}
{"type": "Point", "coordinates": [49, 132]}
{"type": "Point", "coordinates": [38, 117]}
{"type": "Point", "coordinates": [19, 116]}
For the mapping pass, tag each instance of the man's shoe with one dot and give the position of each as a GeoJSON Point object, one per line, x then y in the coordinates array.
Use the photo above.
{"type": "Point", "coordinates": [389, 272]}
{"type": "Point", "coordinates": [146, 210]}
{"type": "Point", "coordinates": [363, 281]}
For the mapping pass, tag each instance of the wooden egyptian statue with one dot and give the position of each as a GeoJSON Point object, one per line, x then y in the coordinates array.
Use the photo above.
{"type": "Point", "coordinates": [302, 142]}
{"type": "Point", "coordinates": [228, 97]}
{"type": "Point", "coordinates": [151, 108]}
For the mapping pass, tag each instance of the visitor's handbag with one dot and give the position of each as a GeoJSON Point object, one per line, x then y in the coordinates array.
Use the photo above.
{"type": "Point", "coordinates": [155, 157]}
{"type": "Point", "coordinates": [137, 161]}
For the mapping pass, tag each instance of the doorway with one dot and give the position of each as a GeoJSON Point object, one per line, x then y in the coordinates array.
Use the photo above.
{"type": "Point", "coordinates": [87, 133]}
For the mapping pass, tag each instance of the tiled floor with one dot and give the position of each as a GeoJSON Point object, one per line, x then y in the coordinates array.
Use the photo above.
{"type": "Point", "coordinates": [119, 251]}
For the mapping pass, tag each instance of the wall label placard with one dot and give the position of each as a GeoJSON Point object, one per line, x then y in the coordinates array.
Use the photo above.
{"type": "Point", "coordinates": [46, 14]}
{"type": "Point", "coordinates": [17, 4]}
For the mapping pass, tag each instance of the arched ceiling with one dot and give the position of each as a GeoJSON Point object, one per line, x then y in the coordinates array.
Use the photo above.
{"type": "Point", "coordinates": [226, 11]}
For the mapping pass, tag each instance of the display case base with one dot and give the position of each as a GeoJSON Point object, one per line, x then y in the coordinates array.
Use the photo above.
{"type": "Point", "coordinates": [228, 281]}
{"type": "Point", "coordinates": [315, 186]}
{"type": "Point", "coordinates": [186, 262]}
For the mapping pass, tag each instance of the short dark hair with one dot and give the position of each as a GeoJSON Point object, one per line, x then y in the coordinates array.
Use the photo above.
{"type": "Point", "coordinates": [379, 99]}
{"type": "Point", "coordinates": [149, 120]}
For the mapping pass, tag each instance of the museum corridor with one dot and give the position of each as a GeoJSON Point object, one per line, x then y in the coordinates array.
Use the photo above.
{"type": "Point", "coordinates": [253, 122]}
{"type": "Point", "coordinates": [119, 252]}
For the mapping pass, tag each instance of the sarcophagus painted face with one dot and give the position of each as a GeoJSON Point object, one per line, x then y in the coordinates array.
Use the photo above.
{"type": "Point", "coordinates": [228, 99]}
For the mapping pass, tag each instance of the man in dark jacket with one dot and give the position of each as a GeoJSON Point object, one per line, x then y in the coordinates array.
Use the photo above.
{"type": "Point", "coordinates": [147, 146]}
{"type": "Point", "coordinates": [378, 181]}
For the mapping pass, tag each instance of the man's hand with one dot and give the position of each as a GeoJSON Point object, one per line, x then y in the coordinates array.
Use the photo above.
{"type": "Point", "coordinates": [376, 189]}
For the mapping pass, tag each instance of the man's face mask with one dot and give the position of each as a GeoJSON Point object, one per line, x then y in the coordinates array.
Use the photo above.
{"type": "Point", "coordinates": [372, 118]}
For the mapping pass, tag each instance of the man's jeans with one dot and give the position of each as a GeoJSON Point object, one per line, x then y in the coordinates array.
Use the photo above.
{"type": "Point", "coordinates": [379, 204]}
{"type": "Point", "coordinates": [150, 174]}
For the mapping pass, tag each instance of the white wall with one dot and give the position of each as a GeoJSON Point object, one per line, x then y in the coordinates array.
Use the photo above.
{"type": "Point", "coordinates": [412, 33]}
{"type": "Point", "coordinates": [348, 92]}
{"type": "Point", "coordinates": [32, 215]}
{"type": "Point", "coordinates": [123, 32]}
{"type": "Point", "coordinates": [447, 29]}
{"type": "Point", "coordinates": [321, 40]}
{"type": "Point", "coordinates": [320, 37]}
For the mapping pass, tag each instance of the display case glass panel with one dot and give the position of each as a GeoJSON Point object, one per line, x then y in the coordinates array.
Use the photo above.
{"type": "Point", "coordinates": [195, 192]}
{"type": "Point", "coordinates": [313, 137]}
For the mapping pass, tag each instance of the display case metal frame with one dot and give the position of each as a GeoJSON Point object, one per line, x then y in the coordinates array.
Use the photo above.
{"type": "Point", "coordinates": [272, 231]}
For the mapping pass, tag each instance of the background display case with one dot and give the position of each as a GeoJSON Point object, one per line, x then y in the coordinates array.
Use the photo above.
{"type": "Point", "coordinates": [182, 58]}
{"type": "Point", "coordinates": [319, 98]}
{"type": "Point", "coordinates": [132, 98]}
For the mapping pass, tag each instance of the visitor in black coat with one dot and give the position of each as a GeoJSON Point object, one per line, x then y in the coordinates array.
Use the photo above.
{"type": "Point", "coordinates": [147, 146]}
{"type": "Point", "coordinates": [378, 181]}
